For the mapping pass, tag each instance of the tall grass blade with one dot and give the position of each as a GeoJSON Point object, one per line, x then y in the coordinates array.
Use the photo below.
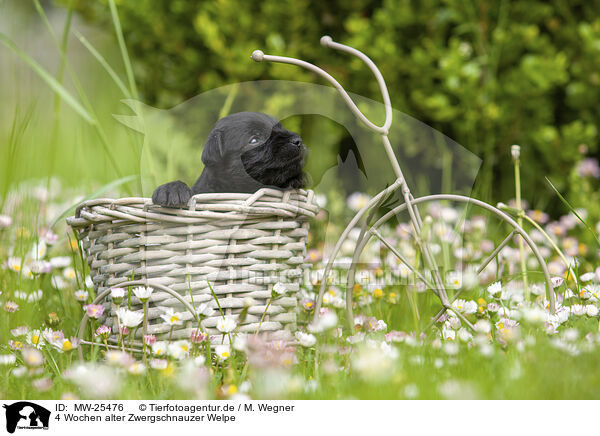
{"type": "Point", "coordinates": [90, 109]}
{"type": "Point", "coordinates": [63, 50]}
{"type": "Point", "coordinates": [124, 54]}
{"type": "Point", "coordinates": [229, 100]}
{"type": "Point", "coordinates": [48, 79]}
{"type": "Point", "coordinates": [59, 77]}
{"type": "Point", "coordinates": [212, 291]}
{"type": "Point", "coordinates": [17, 131]}
{"type": "Point", "coordinates": [113, 75]}
{"type": "Point", "coordinates": [572, 209]}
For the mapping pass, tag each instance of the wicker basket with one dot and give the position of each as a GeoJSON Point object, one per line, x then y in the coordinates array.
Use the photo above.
{"type": "Point", "coordinates": [242, 244]}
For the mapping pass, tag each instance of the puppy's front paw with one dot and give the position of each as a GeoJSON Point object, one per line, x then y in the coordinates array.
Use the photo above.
{"type": "Point", "coordinates": [173, 194]}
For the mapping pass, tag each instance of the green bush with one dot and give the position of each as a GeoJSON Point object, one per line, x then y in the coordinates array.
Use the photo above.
{"type": "Point", "coordinates": [487, 74]}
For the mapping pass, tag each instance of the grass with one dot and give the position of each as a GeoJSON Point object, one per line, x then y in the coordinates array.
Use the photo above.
{"type": "Point", "coordinates": [45, 175]}
{"type": "Point", "coordinates": [521, 363]}
{"type": "Point", "coordinates": [540, 371]}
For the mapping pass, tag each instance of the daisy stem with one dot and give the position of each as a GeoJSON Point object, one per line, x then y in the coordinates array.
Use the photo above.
{"type": "Point", "coordinates": [93, 338]}
{"type": "Point", "coordinates": [121, 338]}
{"type": "Point", "coordinates": [412, 293]}
{"type": "Point", "coordinates": [144, 331]}
{"type": "Point", "coordinates": [149, 377]}
{"type": "Point", "coordinates": [263, 317]}
{"type": "Point", "coordinates": [216, 299]}
{"type": "Point", "coordinates": [560, 254]}
{"type": "Point", "coordinates": [49, 352]}
{"type": "Point", "coordinates": [131, 337]}
{"type": "Point", "coordinates": [243, 372]}
{"type": "Point", "coordinates": [194, 304]}
{"type": "Point", "coordinates": [208, 351]}
{"type": "Point", "coordinates": [446, 252]}
{"type": "Point", "coordinates": [79, 284]}
{"type": "Point", "coordinates": [220, 310]}
{"type": "Point", "coordinates": [171, 332]}
{"type": "Point", "coordinates": [520, 222]}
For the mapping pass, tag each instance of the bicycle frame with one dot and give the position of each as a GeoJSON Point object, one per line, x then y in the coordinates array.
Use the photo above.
{"type": "Point", "coordinates": [383, 130]}
{"type": "Point", "coordinates": [410, 204]}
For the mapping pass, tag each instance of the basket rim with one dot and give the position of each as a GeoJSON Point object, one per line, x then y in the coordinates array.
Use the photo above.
{"type": "Point", "coordinates": [231, 206]}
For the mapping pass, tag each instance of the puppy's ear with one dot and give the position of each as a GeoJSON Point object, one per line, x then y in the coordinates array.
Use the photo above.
{"type": "Point", "coordinates": [213, 149]}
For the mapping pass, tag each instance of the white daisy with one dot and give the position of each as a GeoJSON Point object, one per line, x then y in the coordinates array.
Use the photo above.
{"type": "Point", "coordinates": [357, 201]}
{"type": "Point", "coordinates": [136, 368]}
{"type": "Point", "coordinates": [171, 317]}
{"type": "Point", "coordinates": [306, 339]}
{"type": "Point", "coordinates": [159, 348]}
{"type": "Point", "coordinates": [81, 295]}
{"type": "Point", "coordinates": [15, 264]}
{"type": "Point", "coordinates": [179, 349]}
{"type": "Point", "coordinates": [143, 292]}
{"type": "Point", "coordinates": [205, 309]}
{"type": "Point", "coordinates": [117, 293]}
{"type": "Point", "coordinates": [32, 356]}
{"type": "Point", "coordinates": [279, 289]}
{"type": "Point", "coordinates": [7, 359]}
{"type": "Point", "coordinates": [226, 324]}
{"type": "Point", "coordinates": [591, 310]}
{"type": "Point", "coordinates": [35, 338]}
{"type": "Point", "coordinates": [60, 261]}
{"type": "Point", "coordinates": [223, 352]}
{"type": "Point", "coordinates": [129, 318]}
{"type": "Point", "coordinates": [494, 288]}
{"type": "Point", "coordinates": [69, 273]}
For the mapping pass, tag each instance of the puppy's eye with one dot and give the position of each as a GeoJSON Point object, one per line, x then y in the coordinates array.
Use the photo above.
{"type": "Point", "coordinates": [254, 140]}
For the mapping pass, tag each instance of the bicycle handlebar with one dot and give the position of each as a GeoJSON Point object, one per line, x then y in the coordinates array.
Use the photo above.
{"type": "Point", "coordinates": [326, 41]}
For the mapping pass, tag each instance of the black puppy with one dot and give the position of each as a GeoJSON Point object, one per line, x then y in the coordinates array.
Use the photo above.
{"type": "Point", "coordinates": [243, 153]}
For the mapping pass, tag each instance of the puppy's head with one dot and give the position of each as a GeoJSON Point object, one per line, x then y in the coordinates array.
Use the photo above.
{"type": "Point", "coordinates": [254, 146]}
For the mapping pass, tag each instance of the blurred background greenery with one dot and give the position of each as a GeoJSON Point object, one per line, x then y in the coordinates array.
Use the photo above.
{"type": "Point", "coordinates": [487, 74]}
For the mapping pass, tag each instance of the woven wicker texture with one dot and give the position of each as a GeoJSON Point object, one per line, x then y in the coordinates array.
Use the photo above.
{"type": "Point", "coordinates": [242, 244]}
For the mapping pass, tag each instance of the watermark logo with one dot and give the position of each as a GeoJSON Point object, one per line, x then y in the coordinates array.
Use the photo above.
{"type": "Point", "coordinates": [26, 415]}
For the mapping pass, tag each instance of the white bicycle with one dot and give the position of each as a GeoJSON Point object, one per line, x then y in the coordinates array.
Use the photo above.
{"type": "Point", "coordinates": [370, 223]}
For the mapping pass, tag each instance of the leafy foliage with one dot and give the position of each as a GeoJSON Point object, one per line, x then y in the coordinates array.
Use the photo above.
{"type": "Point", "coordinates": [487, 74]}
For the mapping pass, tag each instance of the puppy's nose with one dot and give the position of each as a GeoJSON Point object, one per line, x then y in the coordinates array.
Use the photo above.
{"type": "Point", "coordinates": [296, 140]}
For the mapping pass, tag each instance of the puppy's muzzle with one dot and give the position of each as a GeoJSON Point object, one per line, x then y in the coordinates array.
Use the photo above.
{"type": "Point", "coordinates": [296, 141]}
